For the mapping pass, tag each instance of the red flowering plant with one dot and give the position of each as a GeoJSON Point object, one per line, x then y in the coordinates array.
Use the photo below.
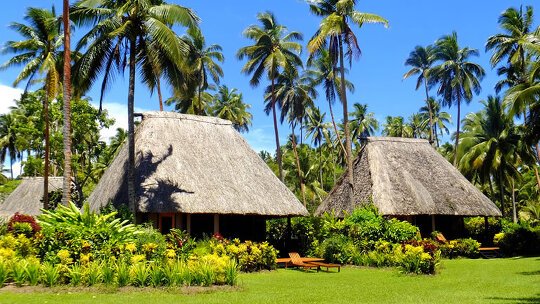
{"type": "Point", "coordinates": [18, 221]}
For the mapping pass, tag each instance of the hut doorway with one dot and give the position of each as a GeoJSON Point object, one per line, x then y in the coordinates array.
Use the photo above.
{"type": "Point", "coordinates": [166, 222]}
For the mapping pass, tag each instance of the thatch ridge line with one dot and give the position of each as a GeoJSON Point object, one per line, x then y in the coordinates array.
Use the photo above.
{"type": "Point", "coordinates": [173, 115]}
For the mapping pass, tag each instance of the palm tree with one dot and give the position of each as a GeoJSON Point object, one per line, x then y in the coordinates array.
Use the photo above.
{"type": "Point", "coordinates": [363, 124]}
{"type": "Point", "coordinates": [8, 140]}
{"type": "Point", "coordinates": [491, 145]}
{"type": "Point", "coordinates": [229, 104]}
{"type": "Point", "coordinates": [40, 54]}
{"type": "Point", "coordinates": [274, 50]}
{"type": "Point", "coordinates": [134, 29]}
{"type": "Point", "coordinates": [317, 129]}
{"type": "Point", "coordinates": [203, 61]}
{"type": "Point", "coordinates": [456, 77]}
{"type": "Point", "coordinates": [335, 33]}
{"type": "Point", "coordinates": [396, 127]}
{"type": "Point", "coordinates": [323, 72]}
{"type": "Point", "coordinates": [440, 118]}
{"type": "Point", "coordinates": [66, 189]}
{"type": "Point", "coordinates": [421, 60]}
{"type": "Point", "coordinates": [417, 126]}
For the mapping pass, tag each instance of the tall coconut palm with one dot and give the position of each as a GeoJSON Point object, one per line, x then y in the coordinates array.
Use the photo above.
{"type": "Point", "coordinates": [66, 189]}
{"type": "Point", "coordinates": [322, 70]}
{"type": "Point", "coordinates": [421, 61]}
{"type": "Point", "coordinates": [417, 126]}
{"type": "Point", "coordinates": [293, 95]}
{"type": "Point", "coordinates": [491, 144]}
{"type": "Point", "coordinates": [440, 118]}
{"type": "Point", "coordinates": [336, 34]}
{"type": "Point", "coordinates": [317, 129]}
{"type": "Point", "coordinates": [204, 61]}
{"type": "Point", "coordinates": [229, 104]}
{"type": "Point", "coordinates": [123, 34]}
{"type": "Point", "coordinates": [456, 77]}
{"type": "Point", "coordinates": [396, 127]}
{"type": "Point", "coordinates": [275, 50]}
{"type": "Point", "coordinates": [363, 123]}
{"type": "Point", "coordinates": [40, 54]}
{"type": "Point", "coordinates": [8, 140]}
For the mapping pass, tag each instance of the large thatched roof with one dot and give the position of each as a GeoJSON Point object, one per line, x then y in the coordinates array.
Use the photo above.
{"type": "Point", "coordinates": [195, 164]}
{"type": "Point", "coordinates": [26, 198]}
{"type": "Point", "coordinates": [407, 177]}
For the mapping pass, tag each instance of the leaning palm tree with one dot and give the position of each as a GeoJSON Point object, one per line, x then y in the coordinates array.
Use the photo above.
{"type": "Point", "coordinates": [125, 33]}
{"type": "Point", "coordinates": [40, 55]}
{"type": "Point", "coordinates": [229, 104]}
{"type": "Point", "coordinates": [8, 140]}
{"type": "Point", "coordinates": [204, 61]}
{"type": "Point", "coordinates": [317, 129]}
{"type": "Point", "coordinates": [336, 34]}
{"type": "Point", "coordinates": [457, 77]}
{"type": "Point", "coordinates": [421, 60]}
{"type": "Point", "coordinates": [275, 50]}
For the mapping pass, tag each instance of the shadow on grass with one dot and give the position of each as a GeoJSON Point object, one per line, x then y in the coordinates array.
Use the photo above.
{"type": "Point", "coordinates": [537, 272]}
{"type": "Point", "coordinates": [522, 300]}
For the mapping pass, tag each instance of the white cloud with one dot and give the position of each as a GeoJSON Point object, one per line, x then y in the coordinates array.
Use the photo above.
{"type": "Point", "coordinates": [118, 111]}
{"type": "Point", "coordinates": [7, 97]}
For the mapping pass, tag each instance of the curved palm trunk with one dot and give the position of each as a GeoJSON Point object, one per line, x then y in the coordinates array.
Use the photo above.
{"type": "Point", "coordinates": [278, 147]}
{"type": "Point", "coordinates": [348, 146]}
{"type": "Point", "coordinates": [501, 190]}
{"type": "Point", "coordinates": [320, 166]}
{"type": "Point", "coordinates": [457, 132]}
{"type": "Point", "coordinates": [430, 112]}
{"type": "Point", "coordinates": [335, 126]}
{"type": "Point", "coordinates": [300, 179]}
{"type": "Point", "coordinates": [66, 187]}
{"type": "Point", "coordinates": [47, 146]}
{"type": "Point", "coordinates": [131, 129]}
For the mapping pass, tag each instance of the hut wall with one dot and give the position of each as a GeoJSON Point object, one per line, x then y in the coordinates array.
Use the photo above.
{"type": "Point", "coordinates": [451, 226]}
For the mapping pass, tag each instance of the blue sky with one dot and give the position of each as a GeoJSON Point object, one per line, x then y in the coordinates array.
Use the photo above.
{"type": "Point", "coordinates": [377, 76]}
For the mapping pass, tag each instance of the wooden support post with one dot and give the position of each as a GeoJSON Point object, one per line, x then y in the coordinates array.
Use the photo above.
{"type": "Point", "coordinates": [188, 223]}
{"type": "Point", "coordinates": [433, 228]}
{"type": "Point", "coordinates": [216, 223]}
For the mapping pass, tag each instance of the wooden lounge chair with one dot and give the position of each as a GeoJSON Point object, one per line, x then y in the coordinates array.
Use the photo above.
{"type": "Point", "coordinates": [327, 265]}
{"type": "Point", "coordinates": [296, 261]}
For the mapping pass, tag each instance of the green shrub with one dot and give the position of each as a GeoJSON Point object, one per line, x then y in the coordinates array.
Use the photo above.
{"type": "Point", "coordinates": [250, 256]}
{"type": "Point", "coordinates": [476, 228]}
{"type": "Point", "coordinates": [151, 243]}
{"type": "Point", "coordinates": [107, 273]}
{"type": "Point", "coordinates": [396, 231]}
{"type": "Point", "coordinates": [337, 249]}
{"type": "Point", "coordinates": [50, 274]}
{"type": "Point", "coordinates": [418, 257]}
{"type": "Point", "coordinates": [139, 274]}
{"type": "Point", "coordinates": [18, 270]}
{"type": "Point", "coordinates": [92, 274]}
{"type": "Point", "coordinates": [33, 272]}
{"type": "Point", "coordinates": [520, 239]}
{"type": "Point", "coordinates": [123, 276]}
{"type": "Point", "coordinates": [157, 275]}
{"type": "Point", "coordinates": [231, 272]}
{"type": "Point", "coordinates": [4, 273]}
{"type": "Point", "coordinates": [3, 227]}
{"type": "Point", "coordinates": [75, 275]}
{"type": "Point", "coordinates": [16, 222]}
{"type": "Point", "coordinates": [461, 248]}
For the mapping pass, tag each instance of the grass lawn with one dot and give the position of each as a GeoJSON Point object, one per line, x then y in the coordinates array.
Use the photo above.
{"type": "Point", "coordinates": [460, 281]}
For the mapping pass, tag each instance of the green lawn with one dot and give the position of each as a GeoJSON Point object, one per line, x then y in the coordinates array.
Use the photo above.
{"type": "Point", "coordinates": [460, 281]}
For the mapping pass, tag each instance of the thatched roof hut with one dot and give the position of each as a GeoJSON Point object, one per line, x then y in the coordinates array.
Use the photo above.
{"type": "Point", "coordinates": [407, 177]}
{"type": "Point", "coordinates": [27, 197]}
{"type": "Point", "coordinates": [195, 165]}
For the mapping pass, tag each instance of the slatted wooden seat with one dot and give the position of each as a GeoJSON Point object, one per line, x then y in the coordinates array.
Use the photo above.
{"type": "Point", "coordinates": [296, 261]}
{"type": "Point", "coordinates": [327, 265]}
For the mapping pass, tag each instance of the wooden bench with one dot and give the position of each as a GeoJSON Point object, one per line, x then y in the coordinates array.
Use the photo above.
{"type": "Point", "coordinates": [490, 252]}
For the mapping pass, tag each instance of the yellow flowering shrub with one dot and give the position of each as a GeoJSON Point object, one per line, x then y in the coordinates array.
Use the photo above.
{"type": "Point", "coordinates": [137, 258]}
{"type": "Point", "coordinates": [64, 256]}
{"type": "Point", "coordinates": [250, 256]}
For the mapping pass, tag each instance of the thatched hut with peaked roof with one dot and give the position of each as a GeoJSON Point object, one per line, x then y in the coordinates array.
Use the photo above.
{"type": "Point", "coordinates": [27, 197]}
{"type": "Point", "coordinates": [199, 174]}
{"type": "Point", "coordinates": [407, 178]}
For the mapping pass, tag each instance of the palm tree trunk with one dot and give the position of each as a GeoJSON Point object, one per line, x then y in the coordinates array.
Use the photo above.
{"type": "Point", "coordinates": [430, 112]}
{"type": "Point", "coordinates": [436, 135]}
{"type": "Point", "coordinates": [335, 126]}
{"type": "Point", "coordinates": [47, 145]}
{"type": "Point", "coordinates": [348, 146]}
{"type": "Point", "coordinates": [501, 190]}
{"type": "Point", "coordinates": [536, 167]}
{"type": "Point", "coordinates": [198, 111]}
{"type": "Point", "coordinates": [131, 128]}
{"type": "Point", "coordinates": [278, 147]}
{"type": "Point", "coordinates": [66, 187]}
{"type": "Point", "coordinates": [320, 166]}
{"type": "Point", "coordinates": [11, 166]}
{"type": "Point", "coordinates": [160, 97]}
{"type": "Point", "coordinates": [300, 180]}
{"type": "Point", "coordinates": [514, 213]}
{"type": "Point", "coordinates": [457, 132]}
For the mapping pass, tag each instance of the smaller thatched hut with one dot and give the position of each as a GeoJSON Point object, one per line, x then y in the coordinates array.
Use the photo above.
{"type": "Point", "coordinates": [27, 197]}
{"type": "Point", "coordinates": [407, 178]}
{"type": "Point", "coordinates": [199, 174]}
